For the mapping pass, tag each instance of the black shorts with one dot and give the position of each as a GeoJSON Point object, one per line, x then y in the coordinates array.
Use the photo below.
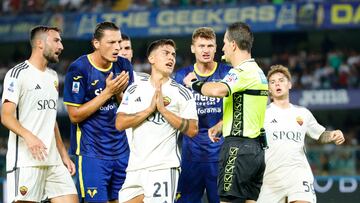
{"type": "Point", "coordinates": [241, 169]}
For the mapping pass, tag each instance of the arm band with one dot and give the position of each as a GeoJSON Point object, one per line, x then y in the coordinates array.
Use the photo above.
{"type": "Point", "coordinates": [197, 85]}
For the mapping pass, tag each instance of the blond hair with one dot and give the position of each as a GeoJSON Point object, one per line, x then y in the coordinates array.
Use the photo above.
{"type": "Point", "coordinates": [279, 69]}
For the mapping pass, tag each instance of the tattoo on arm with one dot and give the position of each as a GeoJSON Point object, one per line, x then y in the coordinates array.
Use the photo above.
{"type": "Point", "coordinates": [325, 137]}
{"type": "Point", "coordinates": [184, 126]}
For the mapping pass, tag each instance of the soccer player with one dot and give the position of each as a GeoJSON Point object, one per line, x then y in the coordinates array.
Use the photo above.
{"type": "Point", "coordinates": [200, 155]}
{"type": "Point", "coordinates": [93, 87]}
{"type": "Point", "coordinates": [244, 90]}
{"type": "Point", "coordinates": [37, 163]}
{"type": "Point", "coordinates": [126, 51]}
{"type": "Point", "coordinates": [155, 109]}
{"type": "Point", "coordinates": [288, 174]}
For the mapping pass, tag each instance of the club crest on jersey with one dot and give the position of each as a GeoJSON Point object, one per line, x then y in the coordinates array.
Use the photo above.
{"type": "Point", "coordinates": [75, 87]}
{"type": "Point", "coordinates": [92, 192]}
{"type": "Point", "coordinates": [299, 120]}
{"type": "Point", "coordinates": [56, 84]}
{"type": "Point", "coordinates": [166, 100]}
{"type": "Point", "coordinates": [23, 190]}
{"type": "Point", "coordinates": [231, 78]}
{"type": "Point", "coordinates": [11, 87]}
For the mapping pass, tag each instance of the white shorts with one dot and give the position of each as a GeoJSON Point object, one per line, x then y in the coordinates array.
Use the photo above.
{"type": "Point", "coordinates": [298, 185]}
{"type": "Point", "coordinates": [157, 186]}
{"type": "Point", "coordinates": [38, 182]}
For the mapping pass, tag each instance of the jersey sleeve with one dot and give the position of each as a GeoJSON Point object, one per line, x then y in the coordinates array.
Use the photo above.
{"type": "Point", "coordinates": [188, 107]}
{"type": "Point", "coordinates": [125, 105]}
{"type": "Point", "coordinates": [314, 129]}
{"type": "Point", "coordinates": [11, 88]}
{"type": "Point", "coordinates": [234, 81]}
{"type": "Point", "coordinates": [74, 86]}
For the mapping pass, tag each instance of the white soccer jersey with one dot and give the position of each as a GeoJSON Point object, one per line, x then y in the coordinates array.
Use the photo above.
{"type": "Point", "coordinates": [35, 94]}
{"type": "Point", "coordinates": [285, 132]}
{"type": "Point", "coordinates": [154, 142]}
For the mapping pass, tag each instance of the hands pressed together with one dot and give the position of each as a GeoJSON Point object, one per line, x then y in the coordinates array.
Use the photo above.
{"type": "Point", "coordinates": [118, 84]}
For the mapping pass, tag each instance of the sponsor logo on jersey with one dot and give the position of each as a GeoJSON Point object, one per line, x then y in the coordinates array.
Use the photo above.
{"type": "Point", "coordinates": [37, 87]}
{"type": "Point", "coordinates": [75, 87]}
{"type": "Point", "coordinates": [287, 135]}
{"type": "Point", "coordinates": [23, 190]}
{"type": "Point", "coordinates": [77, 77]}
{"type": "Point", "coordinates": [108, 107]}
{"type": "Point", "coordinates": [299, 120]}
{"type": "Point", "coordinates": [11, 87]}
{"type": "Point", "coordinates": [46, 104]}
{"type": "Point", "coordinates": [92, 192]}
{"type": "Point", "coordinates": [95, 82]}
{"type": "Point", "coordinates": [98, 91]}
{"type": "Point", "coordinates": [166, 100]}
{"type": "Point", "coordinates": [156, 118]}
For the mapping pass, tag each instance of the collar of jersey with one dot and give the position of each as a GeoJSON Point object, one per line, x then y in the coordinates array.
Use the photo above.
{"type": "Point", "coordinates": [243, 62]}
{"type": "Point", "coordinates": [196, 70]}
{"type": "Point", "coordinates": [100, 69]}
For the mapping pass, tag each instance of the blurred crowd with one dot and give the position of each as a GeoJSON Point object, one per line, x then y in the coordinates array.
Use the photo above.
{"type": "Point", "coordinates": [14, 7]}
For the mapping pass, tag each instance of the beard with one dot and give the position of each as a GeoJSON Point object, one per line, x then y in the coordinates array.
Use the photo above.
{"type": "Point", "coordinates": [50, 57]}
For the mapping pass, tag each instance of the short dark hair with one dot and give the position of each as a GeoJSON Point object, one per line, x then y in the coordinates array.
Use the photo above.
{"type": "Point", "coordinates": [39, 30]}
{"type": "Point", "coordinates": [125, 37]}
{"type": "Point", "coordinates": [158, 43]}
{"type": "Point", "coordinates": [101, 27]}
{"type": "Point", "coordinates": [241, 33]}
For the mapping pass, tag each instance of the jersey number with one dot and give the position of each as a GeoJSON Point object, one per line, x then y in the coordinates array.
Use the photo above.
{"type": "Point", "coordinates": [308, 187]}
{"type": "Point", "coordinates": [158, 187]}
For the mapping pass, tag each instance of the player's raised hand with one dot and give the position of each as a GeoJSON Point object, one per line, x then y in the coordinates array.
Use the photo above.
{"type": "Point", "coordinates": [36, 147]}
{"type": "Point", "coordinates": [159, 100]}
{"type": "Point", "coordinates": [123, 79]}
{"type": "Point", "coordinates": [118, 84]}
{"type": "Point", "coordinates": [189, 77]}
{"type": "Point", "coordinates": [337, 137]}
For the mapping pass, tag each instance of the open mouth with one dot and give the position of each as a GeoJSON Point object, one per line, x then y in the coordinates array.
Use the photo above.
{"type": "Point", "coordinates": [169, 64]}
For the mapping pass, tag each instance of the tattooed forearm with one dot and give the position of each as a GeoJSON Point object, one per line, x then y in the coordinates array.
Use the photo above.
{"type": "Point", "coordinates": [184, 126]}
{"type": "Point", "coordinates": [325, 137]}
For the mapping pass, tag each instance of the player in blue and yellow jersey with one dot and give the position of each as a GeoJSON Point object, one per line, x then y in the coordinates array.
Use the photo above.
{"type": "Point", "coordinates": [93, 88]}
{"type": "Point", "coordinates": [245, 92]}
{"type": "Point", "coordinates": [199, 165]}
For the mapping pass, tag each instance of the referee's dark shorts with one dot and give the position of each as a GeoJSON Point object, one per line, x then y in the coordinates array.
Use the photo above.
{"type": "Point", "coordinates": [241, 169]}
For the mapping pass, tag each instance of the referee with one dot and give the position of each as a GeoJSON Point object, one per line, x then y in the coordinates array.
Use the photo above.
{"type": "Point", "coordinates": [245, 93]}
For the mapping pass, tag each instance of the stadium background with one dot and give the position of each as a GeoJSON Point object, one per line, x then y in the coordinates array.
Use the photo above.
{"type": "Point", "coordinates": [318, 40]}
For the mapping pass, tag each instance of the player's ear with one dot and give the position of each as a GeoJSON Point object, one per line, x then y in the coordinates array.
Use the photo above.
{"type": "Point", "coordinates": [96, 43]}
{"type": "Point", "coordinates": [151, 59]}
{"type": "Point", "coordinates": [192, 49]}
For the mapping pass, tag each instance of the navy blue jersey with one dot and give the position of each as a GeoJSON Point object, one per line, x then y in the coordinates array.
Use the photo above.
{"type": "Point", "coordinates": [209, 109]}
{"type": "Point", "coordinates": [96, 136]}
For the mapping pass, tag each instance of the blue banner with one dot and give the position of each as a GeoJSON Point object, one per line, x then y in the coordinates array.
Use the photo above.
{"type": "Point", "coordinates": [176, 22]}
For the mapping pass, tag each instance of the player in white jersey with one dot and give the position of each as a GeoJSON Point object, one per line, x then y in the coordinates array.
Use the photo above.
{"type": "Point", "coordinates": [37, 162]}
{"type": "Point", "coordinates": [155, 109]}
{"type": "Point", "coordinates": [288, 174]}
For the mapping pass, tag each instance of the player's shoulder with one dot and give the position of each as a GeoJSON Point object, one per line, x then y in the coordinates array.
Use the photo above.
{"type": "Point", "coordinates": [18, 70]}
{"type": "Point", "coordinates": [123, 63]}
{"type": "Point", "coordinates": [185, 70]}
{"type": "Point", "coordinates": [183, 91]}
{"type": "Point", "coordinates": [300, 109]}
{"type": "Point", "coordinates": [224, 66]}
{"type": "Point", "coordinates": [141, 76]}
{"type": "Point", "coordinates": [79, 64]}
